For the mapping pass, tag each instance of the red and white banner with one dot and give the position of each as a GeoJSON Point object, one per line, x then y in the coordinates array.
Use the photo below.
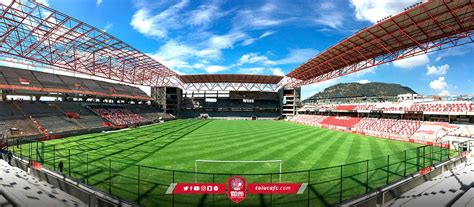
{"type": "Point", "coordinates": [277, 188]}
{"type": "Point", "coordinates": [196, 188]}
{"type": "Point", "coordinates": [236, 188]}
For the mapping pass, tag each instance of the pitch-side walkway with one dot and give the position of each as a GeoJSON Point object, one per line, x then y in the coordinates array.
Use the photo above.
{"type": "Point", "coordinates": [452, 188]}
{"type": "Point", "coordinates": [18, 188]}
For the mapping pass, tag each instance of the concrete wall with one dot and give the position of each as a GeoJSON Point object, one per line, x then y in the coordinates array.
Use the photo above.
{"type": "Point", "coordinates": [388, 193]}
{"type": "Point", "coordinates": [86, 194]}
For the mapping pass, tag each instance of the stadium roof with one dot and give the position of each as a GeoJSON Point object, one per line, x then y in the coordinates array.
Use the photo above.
{"type": "Point", "coordinates": [231, 78]}
{"type": "Point", "coordinates": [38, 34]}
{"type": "Point", "coordinates": [233, 82]}
{"type": "Point", "coordinates": [34, 32]}
{"type": "Point", "coordinates": [423, 28]}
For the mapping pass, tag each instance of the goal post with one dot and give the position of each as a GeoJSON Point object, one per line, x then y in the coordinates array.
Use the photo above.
{"type": "Point", "coordinates": [237, 161]}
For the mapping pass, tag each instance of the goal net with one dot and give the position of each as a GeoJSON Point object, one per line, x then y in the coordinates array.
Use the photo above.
{"type": "Point", "coordinates": [199, 164]}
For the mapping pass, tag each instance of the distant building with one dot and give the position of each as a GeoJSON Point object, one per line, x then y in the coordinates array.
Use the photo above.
{"type": "Point", "coordinates": [409, 96]}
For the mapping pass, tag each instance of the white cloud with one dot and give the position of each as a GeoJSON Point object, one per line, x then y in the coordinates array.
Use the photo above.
{"type": "Point", "coordinates": [254, 58]}
{"type": "Point", "coordinates": [311, 89]}
{"type": "Point", "coordinates": [44, 2]}
{"type": "Point", "coordinates": [329, 16]}
{"type": "Point", "coordinates": [412, 62]}
{"type": "Point", "coordinates": [107, 27]}
{"type": "Point", "coordinates": [361, 73]}
{"type": "Point", "coordinates": [142, 21]}
{"type": "Point", "coordinates": [277, 71]}
{"type": "Point", "coordinates": [227, 40]}
{"type": "Point", "coordinates": [266, 34]}
{"type": "Point", "coordinates": [205, 14]}
{"type": "Point", "coordinates": [437, 70]}
{"type": "Point", "coordinates": [444, 93]}
{"type": "Point", "coordinates": [363, 81]}
{"type": "Point", "coordinates": [334, 21]}
{"type": "Point", "coordinates": [177, 56]}
{"type": "Point", "coordinates": [297, 56]}
{"type": "Point", "coordinates": [439, 84]}
{"type": "Point", "coordinates": [255, 70]}
{"type": "Point", "coordinates": [374, 10]}
{"type": "Point", "coordinates": [277, 13]}
{"type": "Point", "coordinates": [98, 3]}
{"type": "Point", "coordinates": [158, 25]}
{"type": "Point", "coordinates": [215, 68]}
{"type": "Point", "coordinates": [454, 51]}
{"type": "Point", "coordinates": [252, 40]}
{"type": "Point", "coordinates": [262, 17]}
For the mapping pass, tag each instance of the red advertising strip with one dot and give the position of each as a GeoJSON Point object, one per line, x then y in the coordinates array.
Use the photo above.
{"type": "Point", "coordinates": [196, 188]}
{"type": "Point", "coordinates": [35, 164]}
{"type": "Point", "coordinates": [276, 188]}
{"type": "Point", "coordinates": [425, 170]}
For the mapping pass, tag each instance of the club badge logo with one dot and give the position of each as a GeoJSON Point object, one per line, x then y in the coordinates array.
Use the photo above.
{"type": "Point", "coordinates": [237, 189]}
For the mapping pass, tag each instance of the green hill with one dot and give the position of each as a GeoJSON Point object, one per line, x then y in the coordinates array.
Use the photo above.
{"type": "Point", "coordinates": [349, 90]}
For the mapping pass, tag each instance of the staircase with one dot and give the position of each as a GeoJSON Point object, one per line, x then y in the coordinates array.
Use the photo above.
{"type": "Point", "coordinates": [73, 120]}
{"type": "Point", "coordinates": [34, 122]}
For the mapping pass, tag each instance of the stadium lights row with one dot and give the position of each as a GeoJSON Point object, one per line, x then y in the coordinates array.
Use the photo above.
{"type": "Point", "coordinates": [413, 6]}
{"type": "Point", "coordinates": [383, 19]}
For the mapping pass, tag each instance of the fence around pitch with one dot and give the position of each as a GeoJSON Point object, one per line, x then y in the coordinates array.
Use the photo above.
{"type": "Point", "coordinates": [147, 185]}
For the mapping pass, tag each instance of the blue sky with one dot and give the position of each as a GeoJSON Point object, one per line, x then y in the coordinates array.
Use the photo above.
{"type": "Point", "coordinates": [265, 37]}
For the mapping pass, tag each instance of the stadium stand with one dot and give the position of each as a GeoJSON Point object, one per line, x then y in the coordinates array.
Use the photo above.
{"type": "Point", "coordinates": [86, 117]}
{"type": "Point", "coordinates": [375, 126]}
{"type": "Point", "coordinates": [42, 83]}
{"type": "Point", "coordinates": [19, 188]}
{"type": "Point", "coordinates": [48, 116]}
{"type": "Point", "coordinates": [420, 131]}
{"type": "Point", "coordinates": [74, 83]}
{"type": "Point", "coordinates": [341, 121]}
{"type": "Point", "coordinates": [463, 131]}
{"type": "Point", "coordinates": [48, 80]}
{"type": "Point", "coordinates": [345, 107]}
{"type": "Point", "coordinates": [312, 120]}
{"type": "Point", "coordinates": [227, 107]}
{"type": "Point", "coordinates": [15, 121]}
{"type": "Point", "coordinates": [21, 77]}
{"type": "Point", "coordinates": [118, 116]}
{"type": "Point", "coordinates": [452, 107]}
{"type": "Point", "coordinates": [433, 131]}
{"type": "Point", "coordinates": [406, 128]}
{"type": "Point", "coordinates": [452, 188]}
{"type": "Point", "coordinates": [149, 112]}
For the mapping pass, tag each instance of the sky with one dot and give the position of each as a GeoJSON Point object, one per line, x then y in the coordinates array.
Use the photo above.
{"type": "Point", "coordinates": [269, 37]}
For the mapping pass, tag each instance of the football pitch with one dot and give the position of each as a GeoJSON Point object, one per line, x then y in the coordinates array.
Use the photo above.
{"type": "Point", "coordinates": [139, 164]}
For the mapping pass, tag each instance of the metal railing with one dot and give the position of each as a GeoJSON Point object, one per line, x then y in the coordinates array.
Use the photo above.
{"type": "Point", "coordinates": [147, 185]}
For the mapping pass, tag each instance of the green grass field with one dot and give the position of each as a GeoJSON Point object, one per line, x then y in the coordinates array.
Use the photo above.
{"type": "Point", "coordinates": [139, 164]}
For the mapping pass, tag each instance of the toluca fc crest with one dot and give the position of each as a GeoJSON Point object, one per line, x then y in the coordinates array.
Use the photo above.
{"type": "Point", "coordinates": [237, 189]}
